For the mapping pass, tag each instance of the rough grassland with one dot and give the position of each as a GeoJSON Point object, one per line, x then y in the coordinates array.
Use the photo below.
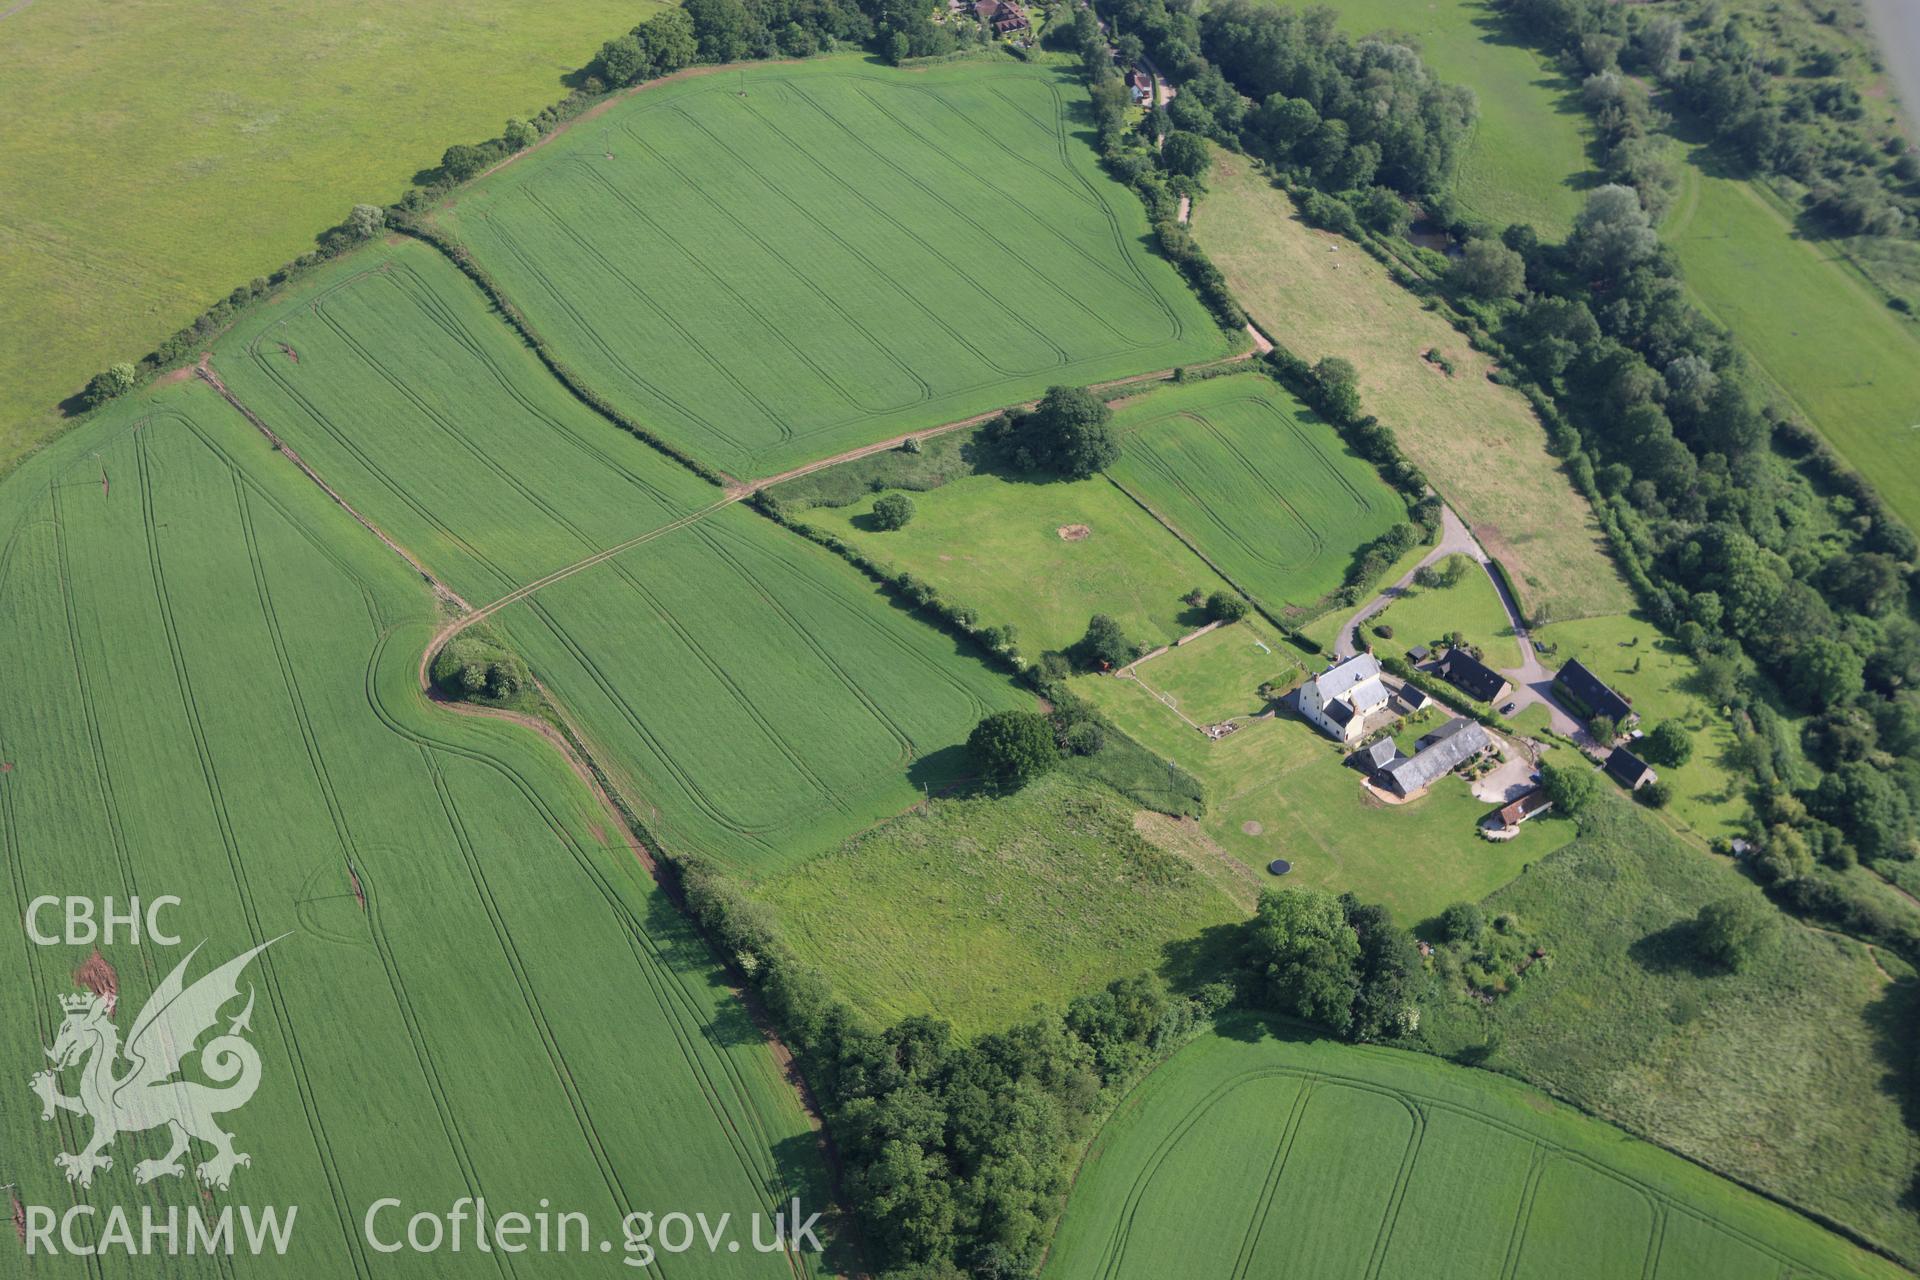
{"type": "Point", "coordinates": [978, 909]}
{"type": "Point", "coordinates": [1816, 329]}
{"type": "Point", "coordinates": [773, 265]}
{"type": "Point", "coordinates": [158, 154]}
{"type": "Point", "coordinates": [1527, 161]}
{"type": "Point", "coordinates": [706, 663]}
{"type": "Point", "coordinates": [211, 695]}
{"type": "Point", "coordinates": [1788, 1075]}
{"type": "Point", "coordinates": [1647, 669]}
{"type": "Point", "coordinates": [1478, 443]}
{"type": "Point", "coordinates": [1249, 475]}
{"type": "Point", "coordinates": [994, 545]}
{"type": "Point", "coordinates": [1276, 788]}
{"type": "Point", "coordinates": [1259, 1149]}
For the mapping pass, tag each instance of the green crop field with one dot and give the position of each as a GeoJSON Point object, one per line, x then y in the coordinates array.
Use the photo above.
{"type": "Point", "coordinates": [704, 661]}
{"type": "Point", "coordinates": [160, 153]}
{"type": "Point", "coordinates": [1260, 1151]}
{"type": "Point", "coordinates": [1788, 1075]}
{"type": "Point", "coordinates": [1649, 670]}
{"type": "Point", "coordinates": [1277, 787]}
{"type": "Point", "coordinates": [1043, 557]}
{"type": "Point", "coordinates": [1250, 476]}
{"type": "Point", "coordinates": [1479, 443]}
{"type": "Point", "coordinates": [479, 990]}
{"type": "Point", "coordinates": [976, 909]}
{"type": "Point", "coordinates": [1817, 330]}
{"type": "Point", "coordinates": [1527, 160]}
{"type": "Point", "coordinates": [1470, 606]}
{"type": "Point", "coordinates": [780, 262]}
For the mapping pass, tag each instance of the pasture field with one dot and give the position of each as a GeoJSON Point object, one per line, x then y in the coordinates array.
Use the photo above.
{"type": "Point", "coordinates": [1470, 606]}
{"type": "Point", "coordinates": [1250, 476]}
{"type": "Point", "coordinates": [976, 909]}
{"type": "Point", "coordinates": [1479, 443]}
{"type": "Point", "coordinates": [1650, 671]}
{"type": "Point", "coordinates": [202, 153]}
{"type": "Point", "coordinates": [1044, 557]}
{"type": "Point", "coordinates": [704, 659]}
{"type": "Point", "coordinates": [1277, 788]}
{"type": "Point", "coordinates": [1527, 160]}
{"type": "Point", "coordinates": [1258, 1150]}
{"type": "Point", "coordinates": [784, 261]}
{"type": "Point", "coordinates": [1627, 1023]}
{"type": "Point", "coordinates": [1817, 331]}
{"type": "Point", "coordinates": [212, 695]}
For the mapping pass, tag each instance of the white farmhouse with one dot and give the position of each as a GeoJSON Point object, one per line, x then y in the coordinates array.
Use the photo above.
{"type": "Point", "coordinates": [1340, 699]}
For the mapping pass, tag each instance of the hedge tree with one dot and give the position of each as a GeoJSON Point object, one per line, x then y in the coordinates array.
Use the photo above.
{"type": "Point", "coordinates": [1012, 748]}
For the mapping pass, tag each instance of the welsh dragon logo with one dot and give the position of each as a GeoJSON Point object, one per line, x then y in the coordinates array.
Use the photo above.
{"type": "Point", "coordinates": [147, 1094]}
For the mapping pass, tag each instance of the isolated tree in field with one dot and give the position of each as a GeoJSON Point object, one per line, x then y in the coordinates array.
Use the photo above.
{"type": "Point", "coordinates": [114, 380]}
{"type": "Point", "coordinates": [1225, 606]}
{"type": "Point", "coordinates": [1068, 433]}
{"type": "Point", "coordinates": [1339, 385]}
{"type": "Point", "coordinates": [892, 511]}
{"type": "Point", "coordinates": [1012, 748]}
{"type": "Point", "coordinates": [1667, 743]}
{"type": "Point", "coordinates": [366, 220]}
{"type": "Point", "coordinates": [461, 161]}
{"type": "Point", "coordinates": [1488, 269]}
{"type": "Point", "coordinates": [1302, 952]}
{"type": "Point", "coordinates": [1735, 929]}
{"type": "Point", "coordinates": [1104, 644]}
{"type": "Point", "coordinates": [1185, 154]}
{"type": "Point", "coordinates": [1571, 787]}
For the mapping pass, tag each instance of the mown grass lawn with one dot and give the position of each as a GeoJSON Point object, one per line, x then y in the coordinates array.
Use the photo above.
{"type": "Point", "coordinates": [1262, 1144]}
{"type": "Point", "coordinates": [1648, 670]}
{"type": "Point", "coordinates": [1786, 1075]}
{"type": "Point", "coordinates": [977, 909]}
{"type": "Point", "coordinates": [1479, 443]}
{"type": "Point", "coordinates": [1041, 554]}
{"type": "Point", "coordinates": [160, 153]}
{"type": "Point", "coordinates": [1470, 606]}
{"type": "Point", "coordinates": [778, 263]}
{"type": "Point", "coordinates": [1277, 788]}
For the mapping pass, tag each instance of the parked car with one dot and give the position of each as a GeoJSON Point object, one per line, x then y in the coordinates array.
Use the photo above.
{"type": "Point", "coordinates": [1507, 710]}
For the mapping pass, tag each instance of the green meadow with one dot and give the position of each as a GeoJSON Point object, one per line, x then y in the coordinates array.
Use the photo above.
{"type": "Point", "coordinates": [775, 264]}
{"type": "Point", "coordinates": [1250, 476]}
{"type": "Point", "coordinates": [1471, 606]}
{"type": "Point", "coordinates": [702, 657]}
{"type": "Point", "coordinates": [976, 909]}
{"type": "Point", "coordinates": [1261, 1150]}
{"type": "Point", "coordinates": [1818, 331]}
{"type": "Point", "coordinates": [1043, 557]}
{"type": "Point", "coordinates": [1787, 1075]}
{"type": "Point", "coordinates": [213, 696]}
{"type": "Point", "coordinates": [160, 153]}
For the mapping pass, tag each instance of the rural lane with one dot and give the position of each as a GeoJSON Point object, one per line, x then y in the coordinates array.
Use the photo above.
{"type": "Point", "coordinates": [1532, 679]}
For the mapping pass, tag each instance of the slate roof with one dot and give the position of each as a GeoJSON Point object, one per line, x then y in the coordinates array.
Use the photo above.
{"type": "Point", "coordinates": [1449, 746]}
{"type": "Point", "coordinates": [1374, 758]}
{"type": "Point", "coordinates": [1628, 769]}
{"type": "Point", "coordinates": [1471, 676]}
{"type": "Point", "coordinates": [1593, 692]}
{"type": "Point", "coordinates": [1337, 680]}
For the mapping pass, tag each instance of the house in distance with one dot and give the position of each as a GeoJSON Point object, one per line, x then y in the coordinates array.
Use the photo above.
{"type": "Point", "coordinates": [1340, 699]}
